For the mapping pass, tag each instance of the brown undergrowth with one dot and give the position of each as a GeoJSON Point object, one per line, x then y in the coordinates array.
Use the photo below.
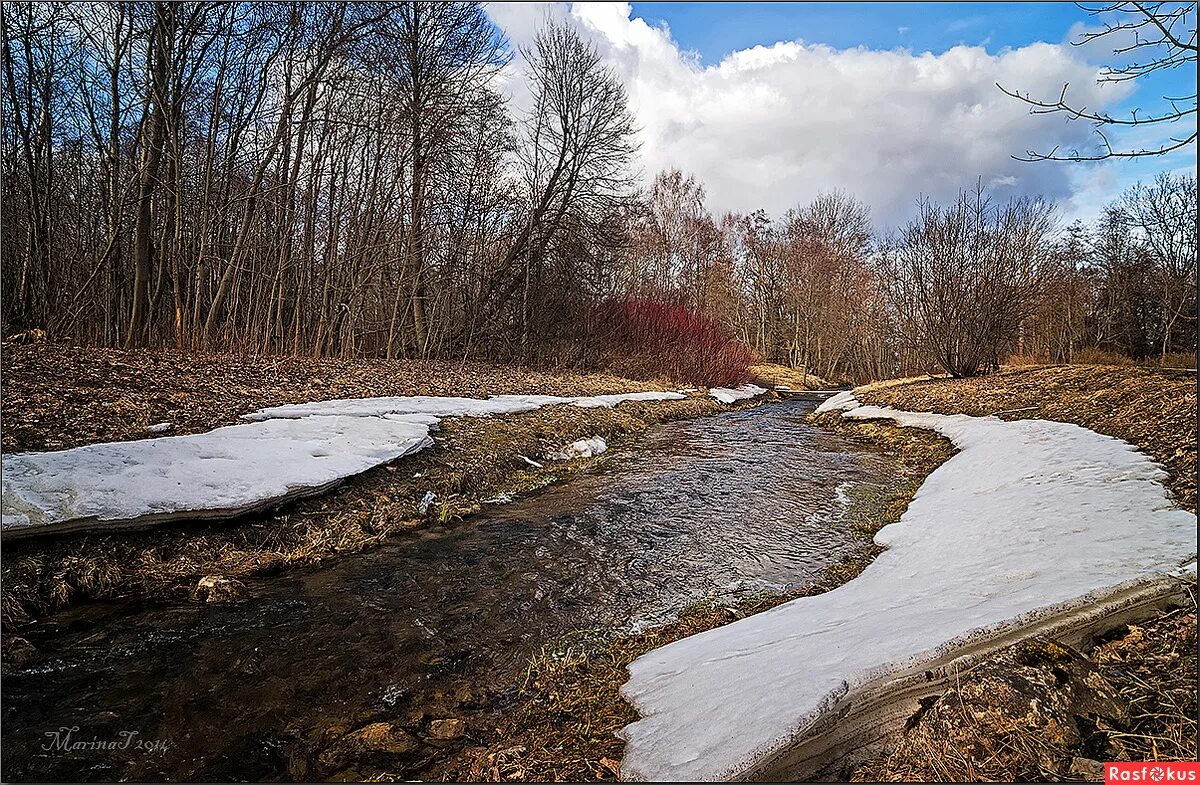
{"type": "Point", "coordinates": [562, 725]}
{"type": "Point", "coordinates": [1041, 711]}
{"type": "Point", "coordinates": [57, 396]}
{"type": "Point", "coordinates": [770, 375]}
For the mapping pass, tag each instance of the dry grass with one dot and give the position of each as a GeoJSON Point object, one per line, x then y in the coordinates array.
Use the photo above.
{"type": "Point", "coordinates": [1091, 356]}
{"type": "Point", "coordinates": [1151, 408]}
{"type": "Point", "coordinates": [770, 375]}
{"type": "Point", "coordinates": [562, 725]}
{"type": "Point", "coordinates": [473, 459]}
{"type": "Point", "coordinates": [1040, 711]}
{"type": "Point", "coordinates": [57, 397]}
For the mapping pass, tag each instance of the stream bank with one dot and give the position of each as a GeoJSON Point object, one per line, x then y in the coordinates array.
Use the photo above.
{"type": "Point", "coordinates": [1042, 710]}
{"type": "Point", "coordinates": [562, 724]}
{"type": "Point", "coordinates": [401, 660]}
{"type": "Point", "coordinates": [60, 397]}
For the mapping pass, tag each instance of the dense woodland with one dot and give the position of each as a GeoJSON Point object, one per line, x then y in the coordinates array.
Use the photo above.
{"type": "Point", "coordinates": [348, 179]}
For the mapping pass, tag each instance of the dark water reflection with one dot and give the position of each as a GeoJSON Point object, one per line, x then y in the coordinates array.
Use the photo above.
{"type": "Point", "coordinates": [440, 623]}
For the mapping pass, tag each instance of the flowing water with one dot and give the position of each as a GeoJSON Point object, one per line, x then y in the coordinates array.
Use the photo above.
{"type": "Point", "coordinates": [439, 623]}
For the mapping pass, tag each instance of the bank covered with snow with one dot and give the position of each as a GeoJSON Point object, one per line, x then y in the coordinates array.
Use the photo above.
{"type": "Point", "coordinates": [283, 452]}
{"type": "Point", "coordinates": [729, 395]}
{"type": "Point", "coordinates": [1029, 518]}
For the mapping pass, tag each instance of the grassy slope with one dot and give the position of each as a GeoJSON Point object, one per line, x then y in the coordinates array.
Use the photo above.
{"type": "Point", "coordinates": [769, 375]}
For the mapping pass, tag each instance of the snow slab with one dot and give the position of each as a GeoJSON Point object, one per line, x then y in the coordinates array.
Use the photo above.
{"type": "Point", "coordinates": [728, 395]}
{"type": "Point", "coordinates": [1029, 518]}
{"type": "Point", "coordinates": [282, 453]}
{"type": "Point", "coordinates": [584, 448]}
{"type": "Point", "coordinates": [449, 406]}
{"type": "Point", "coordinates": [225, 472]}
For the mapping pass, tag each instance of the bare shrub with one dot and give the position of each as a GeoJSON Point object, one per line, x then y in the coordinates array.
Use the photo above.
{"type": "Point", "coordinates": [963, 277]}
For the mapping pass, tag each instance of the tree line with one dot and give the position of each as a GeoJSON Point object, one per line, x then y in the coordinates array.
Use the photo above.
{"type": "Point", "coordinates": [958, 288]}
{"type": "Point", "coordinates": [326, 178]}
{"type": "Point", "coordinates": [346, 179]}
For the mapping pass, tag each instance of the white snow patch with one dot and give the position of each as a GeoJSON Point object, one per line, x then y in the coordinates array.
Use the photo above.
{"type": "Point", "coordinates": [1028, 517]}
{"type": "Point", "coordinates": [531, 461]}
{"type": "Point", "coordinates": [426, 502]}
{"type": "Point", "coordinates": [448, 406]}
{"type": "Point", "coordinates": [840, 402]}
{"type": "Point", "coordinates": [159, 427]}
{"type": "Point", "coordinates": [584, 448]}
{"type": "Point", "coordinates": [283, 452]}
{"type": "Point", "coordinates": [233, 469]}
{"type": "Point", "coordinates": [728, 395]}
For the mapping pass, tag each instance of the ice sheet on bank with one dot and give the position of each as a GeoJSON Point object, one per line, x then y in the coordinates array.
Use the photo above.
{"type": "Point", "coordinates": [1028, 515]}
{"type": "Point", "coordinates": [449, 406]}
{"type": "Point", "coordinates": [729, 395]}
{"type": "Point", "coordinates": [224, 472]}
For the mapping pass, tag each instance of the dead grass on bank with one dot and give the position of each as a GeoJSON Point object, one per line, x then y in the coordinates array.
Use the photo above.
{"type": "Point", "coordinates": [1091, 356]}
{"type": "Point", "coordinates": [1038, 710]}
{"type": "Point", "coordinates": [1151, 408]}
{"type": "Point", "coordinates": [473, 459]}
{"type": "Point", "coordinates": [770, 375]}
{"type": "Point", "coordinates": [563, 723]}
{"type": "Point", "coordinates": [1041, 711]}
{"type": "Point", "coordinates": [56, 396]}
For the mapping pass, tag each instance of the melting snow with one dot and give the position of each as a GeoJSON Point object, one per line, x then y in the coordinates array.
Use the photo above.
{"type": "Point", "coordinates": [584, 448]}
{"type": "Point", "coordinates": [227, 471]}
{"type": "Point", "coordinates": [447, 406]}
{"type": "Point", "coordinates": [282, 453]}
{"type": "Point", "coordinates": [727, 395]}
{"type": "Point", "coordinates": [1028, 518]}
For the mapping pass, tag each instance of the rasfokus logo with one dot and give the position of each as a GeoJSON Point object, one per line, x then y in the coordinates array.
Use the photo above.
{"type": "Point", "coordinates": [1163, 771]}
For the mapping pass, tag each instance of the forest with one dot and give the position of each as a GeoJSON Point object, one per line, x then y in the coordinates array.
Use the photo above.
{"type": "Point", "coordinates": [350, 180]}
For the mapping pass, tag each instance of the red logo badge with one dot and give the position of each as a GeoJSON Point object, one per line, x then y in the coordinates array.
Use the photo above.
{"type": "Point", "coordinates": [1153, 773]}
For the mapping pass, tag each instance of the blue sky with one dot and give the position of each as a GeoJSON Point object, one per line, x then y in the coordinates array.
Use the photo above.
{"type": "Point", "coordinates": [715, 29]}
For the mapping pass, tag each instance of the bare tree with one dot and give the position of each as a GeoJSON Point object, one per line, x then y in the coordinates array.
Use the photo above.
{"type": "Point", "coordinates": [447, 53]}
{"type": "Point", "coordinates": [1158, 36]}
{"type": "Point", "coordinates": [1163, 215]}
{"type": "Point", "coordinates": [574, 173]}
{"type": "Point", "coordinates": [965, 276]}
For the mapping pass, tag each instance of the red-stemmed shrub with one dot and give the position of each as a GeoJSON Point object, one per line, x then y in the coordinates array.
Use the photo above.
{"type": "Point", "coordinates": [650, 339]}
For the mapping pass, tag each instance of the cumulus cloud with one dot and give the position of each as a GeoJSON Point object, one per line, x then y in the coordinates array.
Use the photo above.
{"type": "Point", "coordinates": [772, 126]}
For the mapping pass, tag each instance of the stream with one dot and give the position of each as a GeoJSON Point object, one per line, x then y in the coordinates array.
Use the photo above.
{"type": "Point", "coordinates": [439, 623]}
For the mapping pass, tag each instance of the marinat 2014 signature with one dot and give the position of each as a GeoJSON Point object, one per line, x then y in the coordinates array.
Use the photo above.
{"type": "Point", "coordinates": [67, 739]}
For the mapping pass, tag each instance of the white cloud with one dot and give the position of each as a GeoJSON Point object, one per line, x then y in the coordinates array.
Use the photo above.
{"type": "Point", "coordinates": [772, 126]}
